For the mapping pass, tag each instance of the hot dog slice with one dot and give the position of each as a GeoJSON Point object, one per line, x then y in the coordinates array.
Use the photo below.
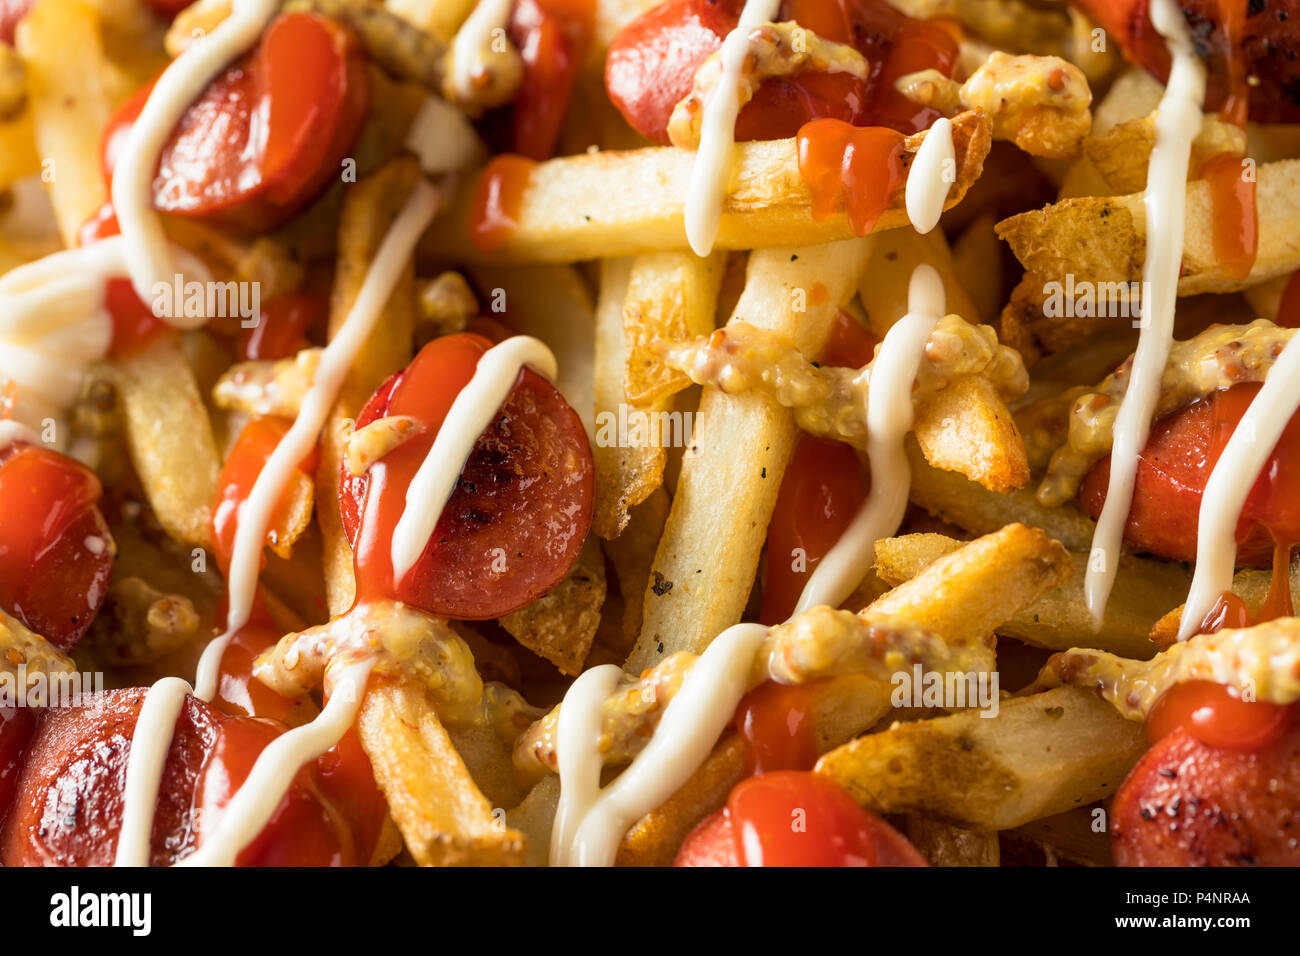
{"type": "Point", "coordinates": [1174, 467]}
{"type": "Point", "coordinates": [267, 135]}
{"type": "Point", "coordinates": [521, 509]}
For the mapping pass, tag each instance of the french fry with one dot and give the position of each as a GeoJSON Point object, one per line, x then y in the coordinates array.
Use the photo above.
{"type": "Point", "coordinates": [611, 204]}
{"type": "Point", "coordinates": [709, 552]}
{"type": "Point", "coordinates": [1266, 298]}
{"type": "Point", "coordinates": [439, 18]}
{"type": "Point", "coordinates": [493, 660]}
{"type": "Point", "coordinates": [13, 84]}
{"type": "Point", "coordinates": [1251, 586]}
{"type": "Point", "coordinates": [671, 296]}
{"type": "Point", "coordinates": [142, 642]}
{"type": "Point", "coordinates": [654, 839]}
{"type": "Point", "coordinates": [561, 624]}
{"type": "Point", "coordinates": [443, 817]}
{"type": "Point", "coordinates": [626, 473]}
{"type": "Point", "coordinates": [1041, 755]}
{"type": "Point", "coordinates": [1016, 324]}
{"type": "Point", "coordinates": [169, 438]}
{"type": "Point", "coordinates": [961, 419]}
{"type": "Point", "coordinates": [551, 303]}
{"type": "Point", "coordinates": [1026, 324]}
{"type": "Point", "coordinates": [882, 287]}
{"type": "Point", "coordinates": [1121, 155]}
{"type": "Point", "coordinates": [592, 119]}
{"type": "Point", "coordinates": [659, 297]}
{"type": "Point", "coordinates": [1135, 93]}
{"type": "Point", "coordinates": [69, 106]}
{"type": "Point", "coordinates": [1059, 619]}
{"type": "Point", "coordinates": [960, 501]}
{"type": "Point", "coordinates": [535, 817]}
{"type": "Point", "coordinates": [943, 844]}
{"type": "Point", "coordinates": [394, 106]}
{"type": "Point", "coordinates": [369, 208]}
{"type": "Point", "coordinates": [632, 554]}
{"type": "Point", "coordinates": [298, 580]}
{"type": "Point", "coordinates": [967, 427]}
{"type": "Point", "coordinates": [18, 156]}
{"type": "Point", "coordinates": [487, 758]}
{"type": "Point", "coordinates": [294, 517]}
{"type": "Point", "coordinates": [1103, 240]}
{"type": "Point", "coordinates": [967, 593]}
{"type": "Point", "coordinates": [1052, 29]}
{"type": "Point", "coordinates": [146, 553]}
{"type": "Point", "coordinates": [977, 264]}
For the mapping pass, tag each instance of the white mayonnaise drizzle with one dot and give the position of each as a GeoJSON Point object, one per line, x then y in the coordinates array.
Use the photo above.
{"type": "Point", "coordinates": [443, 139]}
{"type": "Point", "coordinates": [472, 40]}
{"type": "Point", "coordinates": [711, 171]}
{"type": "Point", "coordinates": [690, 725]}
{"type": "Point", "coordinates": [1177, 123]}
{"type": "Point", "coordinates": [472, 411]}
{"type": "Point", "coordinates": [150, 742]}
{"type": "Point", "coordinates": [336, 360]}
{"type": "Point", "coordinates": [590, 822]}
{"type": "Point", "coordinates": [890, 415]}
{"type": "Point", "coordinates": [577, 734]}
{"type": "Point", "coordinates": [148, 256]}
{"type": "Point", "coordinates": [54, 324]}
{"type": "Point", "coordinates": [243, 818]}
{"type": "Point", "coordinates": [1232, 479]}
{"type": "Point", "coordinates": [157, 720]}
{"type": "Point", "coordinates": [928, 181]}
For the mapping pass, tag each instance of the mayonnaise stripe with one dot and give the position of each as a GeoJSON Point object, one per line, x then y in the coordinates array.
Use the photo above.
{"type": "Point", "coordinates": [472, 411]}
{"type": "Point", "coordinates": [577, 751]}
{"type": "Point", "coordinates": [54, 324]}
{"type": "Point", "coordinates": [711, 171]}
{"type": "Point", "coordinates": [474, 38]}
{"type": "Point", "coordinates": [890, 415]}
{"type": "Point", "coordinates": [1232, 479]}
{"type": "Point", "coordinates": [252, 806]}
{"type": "Point", "coordinates": [590, 823]}
{"type": "Point", "coordinates": [150, 743]}
{"type": "Point", "coordinates": [336, 360]}
{"type": "Point", "coordinates": [153, 735]}
{"type": "Point", "coordinates": [1177, 123]}
{"type": "Point", "coordinates": [686, 734]}
{"type": "Point", "coordinates": [148, 257]}
{"type": "Point", "coordinates": [931, 177]}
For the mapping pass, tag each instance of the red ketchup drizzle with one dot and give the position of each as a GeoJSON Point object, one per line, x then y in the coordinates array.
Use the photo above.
{"type": "Point", "coordinates": [1232, 192]}
{"type": "Point", "coordinates": [498, 201]}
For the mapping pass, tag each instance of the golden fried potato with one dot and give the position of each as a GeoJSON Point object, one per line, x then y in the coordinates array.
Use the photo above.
{"type": "Point", "coordinates": [1040, 755]}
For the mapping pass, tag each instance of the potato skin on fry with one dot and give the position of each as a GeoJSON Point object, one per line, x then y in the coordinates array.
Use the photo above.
{"type": "Point", "coordinates": [966, 428]}
{"type": "Point", "coordinates": [1040, 755]}
{"type": "Point", "coordinates": [1189, 804]}
{"type": "Point", "coordinates": [580, 207]}
{"type": "Point", "coordinates": [1144, 590]}
{"type": "Point", "coordinates": [967, 593]}
{"type": "Point", "coordinates": [1102, 239]}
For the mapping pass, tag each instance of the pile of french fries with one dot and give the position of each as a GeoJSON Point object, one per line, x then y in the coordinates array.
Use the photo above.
{"type": "Point", "coordinates": [599, 270]}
